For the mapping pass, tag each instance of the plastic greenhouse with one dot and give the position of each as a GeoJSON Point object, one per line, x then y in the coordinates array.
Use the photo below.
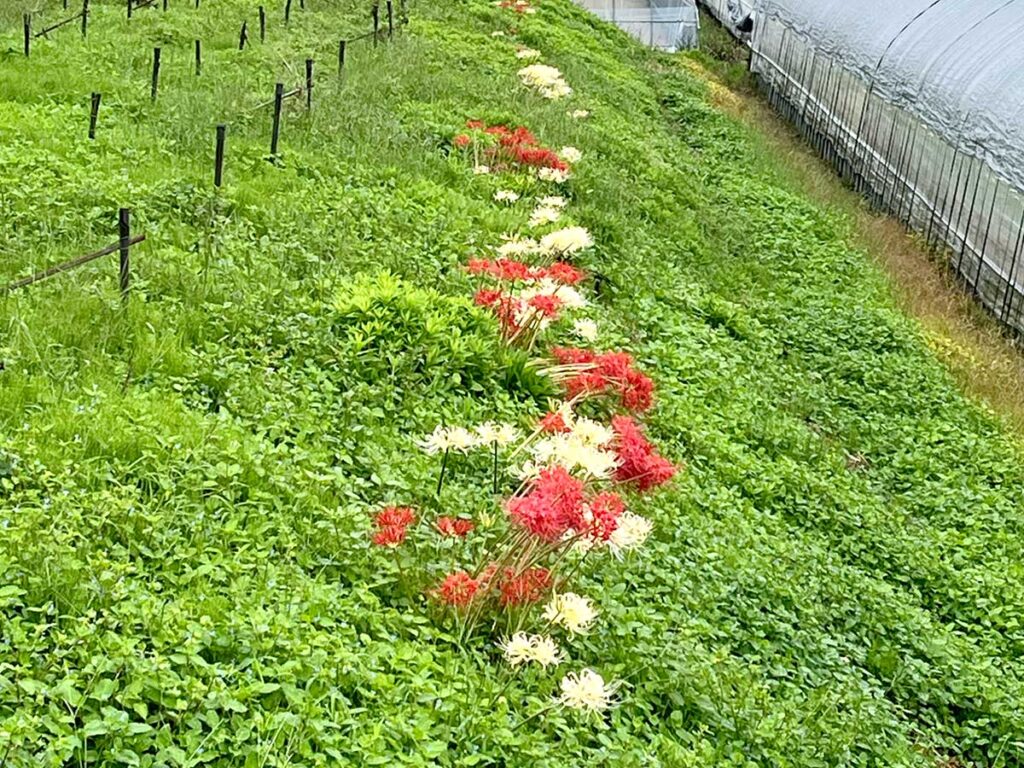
{"type": "Point", "coordinates": [670, 25]}
{"type": "Point", "coordinates": [920, 103]}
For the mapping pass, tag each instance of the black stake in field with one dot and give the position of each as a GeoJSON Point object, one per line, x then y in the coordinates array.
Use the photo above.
{"type": "Point", "coordinates": [199, 57]}
{"type": "Point", "coordinates": [85, 16]}
{"type": "Point", "coordinates": [263, 24]}
{"type": "Point", "coordinates": [341, 57]}
{"type": "Point", "coordinates": [27, 21]}
{"type": "Point", "coordinates": [391, 19]}
{"type": "Point", "coordinates": [243, 36]}
{"type": "Point", "coordinates": [125, 231]}
{"type": "Point", "coordinates": [376, 23]}
{"type": "Point", "coordinates": [218, 163]}
{"type": "Point", "coordinates": [275, 132]}
{"type": "Point", "coordinates": [287, 11]}
{"type": "Point", "coordinates": [94, 114]}
{"type": "Point", "coordinates": [165, 6]}
{"type": "Point", "coordinates": [156, 74]}
{"type": "Point", "coordinates": [130, 4]}
{"type": "Point", "coordinates": [309, 84]}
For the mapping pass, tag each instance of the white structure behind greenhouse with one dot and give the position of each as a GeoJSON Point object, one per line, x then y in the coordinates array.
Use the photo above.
{"type": "Point", "coordinates": [670, 25]}
{"type": "Point", "coordinates": [920, 105]}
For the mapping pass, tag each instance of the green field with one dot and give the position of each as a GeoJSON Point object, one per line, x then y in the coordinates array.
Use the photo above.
{"type": "Point", "coordinates": [187, 479]}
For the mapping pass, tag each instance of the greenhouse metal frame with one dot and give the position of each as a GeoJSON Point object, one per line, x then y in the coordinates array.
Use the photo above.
{"type": "Point", "coordinates": [920, 105]}
{"type": "Point", "coordinates": [669, 25]}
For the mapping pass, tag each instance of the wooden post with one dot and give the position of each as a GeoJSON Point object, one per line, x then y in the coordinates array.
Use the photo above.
{"type": "Point", "coordinates": [27, 22]}
{"type": "Point", "coordinates": [94, 114]}
{"type": "Point", "coordinates": [275, 133]}
{"type": "Point", "coordinates": [341, 56]}
{"type": "Point", "coordinates": [243, 35]}
{"type": "Point", "coordinates": [218, 167]}
{"type": "Point", "coordinates": [124, 229]}
{"type": "Point", "coordinates": [263, 24]}
{"type": "Point", "coordinates": [156, 74]}
{"type": "Point", "coordinates": [199, 57]}
{"type": "Point", "coordinates": [376, 23]}
{"type": "Point", "coordinates": [85, 16]}
{"type": "Point", "coordinates": [309, 84]}
{"type": "Point", "coordinates": [391, 19]}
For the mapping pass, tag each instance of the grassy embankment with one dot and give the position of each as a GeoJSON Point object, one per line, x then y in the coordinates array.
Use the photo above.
{"type": "Point", "coordinates": [834, 580]}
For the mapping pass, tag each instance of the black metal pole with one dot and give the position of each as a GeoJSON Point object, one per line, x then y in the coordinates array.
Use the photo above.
{"type": "Point", "coordinates": [275, 133]}
{"type": "Point", "coordinates": [287, 10]}
{"type": "Point", "coordinates": [85, 16]}
{"type": "Point", "coordinates": [156, 74]}
{"type": "Point", "coordinates": [309, 84]}
{"type": "Point", "coordinates": [341, 56]}
{"type": "Point", "coordinates": [218, 168]}
{"type": "Point", "coordinates": [130, 2]}
{"type": "Point", "coordinates": [27, 22]}
{"type": "Point", "coordinates": [199, 57]}
{"type": "Point", "coordinates": [263, 24]}
{"type": "Point", "coordinates": [124, 228]}
{"type": "Point", "coordinates": [376, 23]}
{"type": "Point", "coordinates": [94, 114]}
{"type": "Point", "coordinates": [391, 19]}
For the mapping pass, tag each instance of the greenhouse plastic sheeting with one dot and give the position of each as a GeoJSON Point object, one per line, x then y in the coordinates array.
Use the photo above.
{"type": "Point", "coordinates": [670, 25]}
{"type": "Point", "coordinates": [957, 64]}
{"type": "Point", "coordinates": [920, 104]}
{"type": "Point", "coordinates": [730, 12]}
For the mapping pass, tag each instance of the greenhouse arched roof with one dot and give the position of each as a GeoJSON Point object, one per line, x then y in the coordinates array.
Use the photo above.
{"type": "Point", "coordinates": [957, 64]}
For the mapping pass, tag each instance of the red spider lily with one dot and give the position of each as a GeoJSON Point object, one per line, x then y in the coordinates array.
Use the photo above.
{"type": "Point", "coordinates": [516, 147]}
{"type": "Point", "coordinates": [553, 506]}
{"type": "Point", "coordinates": [639, 463]}
{"type": "Point", "coordinates": [538, 157]}
{"type": "Point", "coordinates": [507, 309]}
{"type": "Point", "coordinates": [554, 423]}
{"type": "Point", "coordinates": [563, 273]}
{"type": "Point", "coordinates": [395, 517]}
{"type": "Point", "coordinates": [546, 304]}
{"type": "Point", "coordinates": [454, 526]}
{"type": "Point", "coordinates": [610, 372]}
{"type": "Point", "coordinates": [390, 536]}
{"type": "Point", "coordinates": [503, 269]}
{"type": "Point", "coordinates": [457, 589]}
{"type": "Point", "coordinates": [529, 586]}
{"type": "Point", "coordinates": [509, 269]}
{"type": "Point", "coordinates": [605, 509]}
{"type": "Point", "coordinates": [519, 6]}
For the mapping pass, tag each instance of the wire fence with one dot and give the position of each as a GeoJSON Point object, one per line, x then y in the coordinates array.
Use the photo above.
{"type": "Point", "coordinates": [382, 29]}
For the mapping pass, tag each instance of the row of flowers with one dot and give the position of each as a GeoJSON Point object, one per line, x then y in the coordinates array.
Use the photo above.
{"type": "Point", "coordinates": [567, 471]}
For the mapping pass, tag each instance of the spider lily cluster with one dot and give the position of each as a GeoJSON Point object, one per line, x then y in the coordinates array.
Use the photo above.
{"type": "Point", "coordinates": [568, 476]}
